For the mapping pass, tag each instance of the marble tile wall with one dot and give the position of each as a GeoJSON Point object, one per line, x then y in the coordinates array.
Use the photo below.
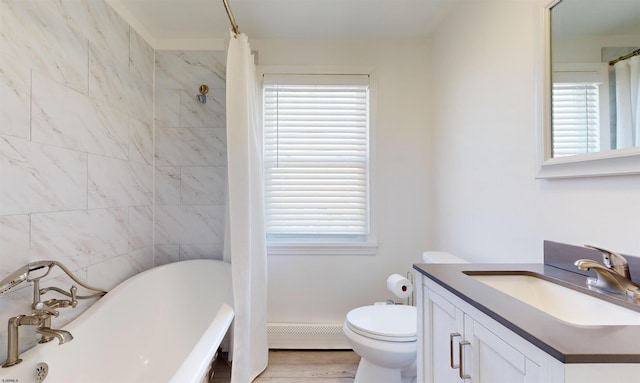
{"type": "Point", "coordinates": [190, 156]}
{"type": "Point", "coordinates": [76, 146]}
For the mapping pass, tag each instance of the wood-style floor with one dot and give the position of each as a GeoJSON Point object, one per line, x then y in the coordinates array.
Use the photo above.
{"type": "Point", "coordinates": [300, 366]}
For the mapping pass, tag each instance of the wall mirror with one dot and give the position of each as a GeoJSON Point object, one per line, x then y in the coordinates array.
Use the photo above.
{"type": "Point", "coordinates": [589, 88]}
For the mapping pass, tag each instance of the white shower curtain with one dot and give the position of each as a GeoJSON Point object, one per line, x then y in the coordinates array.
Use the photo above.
{"type": "Point", "coordinates": [245, 244]}
{"type": "Point", "coordinates": [628, 103]}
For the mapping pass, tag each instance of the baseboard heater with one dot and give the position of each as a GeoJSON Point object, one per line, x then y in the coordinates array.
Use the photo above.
{"type": "Point", "coordinates": [306, 336]}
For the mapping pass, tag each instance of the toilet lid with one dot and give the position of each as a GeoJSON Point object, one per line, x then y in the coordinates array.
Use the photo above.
{"type": "Point", "coordinates": [385, 322]}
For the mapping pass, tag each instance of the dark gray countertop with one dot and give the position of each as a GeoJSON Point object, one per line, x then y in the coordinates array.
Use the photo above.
{"type": "Point", "coordinates": [566, 342]}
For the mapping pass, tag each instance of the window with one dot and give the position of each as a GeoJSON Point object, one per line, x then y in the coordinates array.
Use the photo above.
{"type": "Point", "coordinates": [317, 162]}
{"type": "Point", "coordinates": [576, 118]}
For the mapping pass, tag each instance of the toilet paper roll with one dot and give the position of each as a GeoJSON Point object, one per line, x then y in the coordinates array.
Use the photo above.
{"type": "Point", "coordinates": [400, 286]}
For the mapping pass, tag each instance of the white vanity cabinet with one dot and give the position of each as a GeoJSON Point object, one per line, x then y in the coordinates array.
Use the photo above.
{"type": "Point", "coordinates": [462, 338]}
{"type": "Point", "coordinates": [458, 343]}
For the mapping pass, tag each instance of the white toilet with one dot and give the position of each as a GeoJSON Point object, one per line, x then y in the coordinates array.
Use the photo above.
{"type": "Point", "coordinates": [385, 336]}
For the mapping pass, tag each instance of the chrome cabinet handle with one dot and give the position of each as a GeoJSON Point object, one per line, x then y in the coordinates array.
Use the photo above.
{"type": "Point", "coordinates": [451, 336]}
{"type": "Point", "coordinates": [461, 368]}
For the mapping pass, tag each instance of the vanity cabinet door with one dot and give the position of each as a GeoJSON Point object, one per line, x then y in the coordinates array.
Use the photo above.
{"type": "Point", "coordinates": [443, 331]}
{"type": "Point", "coordinates": [493, 360]}
{"type": "Point", "coordinates": [450, 329]}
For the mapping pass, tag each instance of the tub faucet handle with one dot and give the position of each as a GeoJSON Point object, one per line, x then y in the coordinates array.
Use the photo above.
{"type": "Point", "coordinates": [41, 308]}
{"type": "Point", "coordinates": [74, 296]}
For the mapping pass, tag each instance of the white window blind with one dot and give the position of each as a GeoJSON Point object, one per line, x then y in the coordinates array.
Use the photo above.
{"type": "Point", "coordinates": [316, 158]}
{"type": "Point", "coordinates": [576, 119]}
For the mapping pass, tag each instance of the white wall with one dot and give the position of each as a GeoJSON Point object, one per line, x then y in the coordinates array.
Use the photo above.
{"type": "Point", "coordinates": [589, 49]}
{"type": "Point", "coordinates": [322, 289]}
{"type": "Point", "coordinates": [488, 206]}
{"type": "Point", "coordinates": [190, 156]}
{"type": "Point", "coordinates": [76, 147]}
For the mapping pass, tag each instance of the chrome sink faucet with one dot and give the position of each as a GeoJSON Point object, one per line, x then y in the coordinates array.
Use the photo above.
{"type": "Point", "coordinates": [614, 261]}
{"type": "Point", "coordinates": [612, 275]}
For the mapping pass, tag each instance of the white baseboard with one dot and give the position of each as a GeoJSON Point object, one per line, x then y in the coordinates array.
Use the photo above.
{"type": "Point", "coordinates": [306, 336]}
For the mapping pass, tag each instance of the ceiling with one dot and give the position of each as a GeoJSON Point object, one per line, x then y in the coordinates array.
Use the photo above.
{"type": "Point", "coordinates": [285, 19]}
{"type": "Point", "coordinates": [160, 21]}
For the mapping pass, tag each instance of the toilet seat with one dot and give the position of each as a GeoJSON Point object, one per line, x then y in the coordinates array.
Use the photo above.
{"type": "Point", "coordinates": [391, 323]}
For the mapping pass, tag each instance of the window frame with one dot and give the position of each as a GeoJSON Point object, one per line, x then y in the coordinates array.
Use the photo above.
{"type": "Point", "coordinates": [368, 246]}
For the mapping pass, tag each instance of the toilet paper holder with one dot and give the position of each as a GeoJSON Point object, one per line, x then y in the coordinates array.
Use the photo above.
{"type": "Point", "coordinates": [411, 299]}
{"type": "Point", "coordinates": [402, 287]}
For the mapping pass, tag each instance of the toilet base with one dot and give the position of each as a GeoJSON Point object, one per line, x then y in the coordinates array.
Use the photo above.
{"type": "Point", "coordinates": [370, 373]}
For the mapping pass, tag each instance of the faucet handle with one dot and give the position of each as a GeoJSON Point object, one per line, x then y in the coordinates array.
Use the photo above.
{"type": "Point", "coordinates": [41, 308]}
{"type": "Point", "coordinates": [73, 291]}
{"type": "Point", "coordinates": [613, 260]}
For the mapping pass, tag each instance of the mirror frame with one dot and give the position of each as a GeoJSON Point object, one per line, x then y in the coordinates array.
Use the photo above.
{"type": "Point", "coordinates": [606, 163]}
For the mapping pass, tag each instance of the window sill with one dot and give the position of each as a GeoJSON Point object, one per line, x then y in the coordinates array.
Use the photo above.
{"type": "Point", "coordinates": [332, 248]}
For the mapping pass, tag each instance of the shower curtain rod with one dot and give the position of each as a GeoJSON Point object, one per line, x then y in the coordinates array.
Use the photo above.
{"type": "Point", "coordinates": [232, 20]}
{"type": "Point", "coordinates": [622, 58]}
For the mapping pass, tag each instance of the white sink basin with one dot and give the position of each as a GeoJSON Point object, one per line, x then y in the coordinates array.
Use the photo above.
{"type": "Point", "coordinates": [560, 302]}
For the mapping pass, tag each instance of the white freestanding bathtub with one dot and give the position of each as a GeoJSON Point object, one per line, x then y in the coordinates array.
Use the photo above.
{"type": "Point", "coordinates": [162, 325]}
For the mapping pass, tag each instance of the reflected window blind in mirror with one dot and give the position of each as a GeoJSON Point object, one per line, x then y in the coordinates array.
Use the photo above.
{"type": "Point", "coordinates": [576, 119]}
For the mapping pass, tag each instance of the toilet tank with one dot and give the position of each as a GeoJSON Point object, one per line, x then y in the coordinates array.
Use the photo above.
{"type": "Point", "coordinates": [441, 257]}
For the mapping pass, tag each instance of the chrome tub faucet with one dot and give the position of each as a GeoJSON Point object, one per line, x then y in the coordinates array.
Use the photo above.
{"type": "Point", "coordinates": [42, 312]}
{"type": "Point", "coordinates": [48, 334]}
{"type": "Point", "coordinates": [38, 318]}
